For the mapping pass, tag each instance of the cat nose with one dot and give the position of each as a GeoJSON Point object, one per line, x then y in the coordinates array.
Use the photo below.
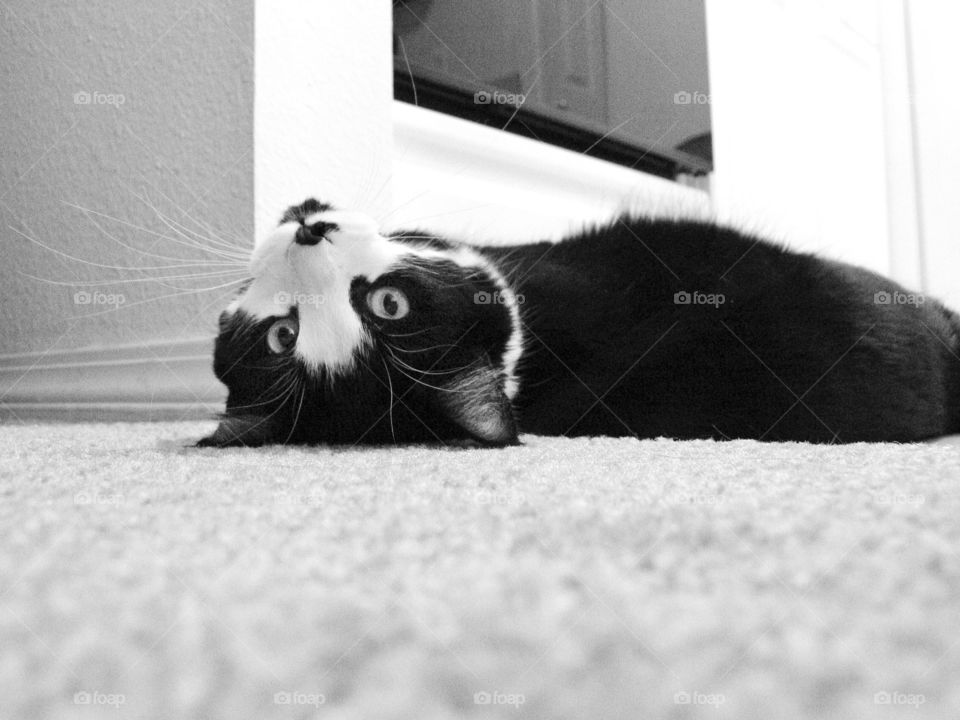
{"type": "Point", "coordinates": [312, 234]}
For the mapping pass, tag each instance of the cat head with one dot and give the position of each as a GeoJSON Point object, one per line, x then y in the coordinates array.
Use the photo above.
{"type": "Point", "coordinates": [347, 335]}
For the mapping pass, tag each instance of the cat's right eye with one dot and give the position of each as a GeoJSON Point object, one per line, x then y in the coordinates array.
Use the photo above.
{"type": "Point", "coordinates": [282, 335]}
{"type": "Point", "coordinates": [388, 303]}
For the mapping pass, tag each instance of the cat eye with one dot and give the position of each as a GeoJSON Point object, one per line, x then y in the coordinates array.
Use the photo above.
{"type": "Point", "coordinates": [282, 335]}
{"type": "Point", "coordinates": [388, 303]}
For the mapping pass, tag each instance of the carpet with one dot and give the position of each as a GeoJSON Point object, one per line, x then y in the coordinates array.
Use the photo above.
{"type": "Point", "coordinates": [566, 578]}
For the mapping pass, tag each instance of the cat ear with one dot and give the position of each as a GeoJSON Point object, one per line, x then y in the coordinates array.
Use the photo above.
{"type": "Point", "coordinates": [241, 430]}
{"type": "Point", "coordinates": [475, 401]}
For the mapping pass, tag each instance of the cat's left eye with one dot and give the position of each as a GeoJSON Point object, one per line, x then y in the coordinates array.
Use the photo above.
{"type": "Point", "coordinates": [282, 335]}
{"type": "Point", "coordinates": [388, 303]}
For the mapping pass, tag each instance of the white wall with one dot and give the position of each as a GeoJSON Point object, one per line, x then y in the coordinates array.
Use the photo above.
{"type": "Point", "coordinates": [935, 54]}
{"type": "Point", "coordinates": [324, 91]}
{"type": "Point", "coordinates": [481, 184]}
{"type": "Point", "coordinates": [835, 127]}
{"type": "Point", "coordinates": [903, 189]}
{"type": "Point", "coordinates": [798, 124]}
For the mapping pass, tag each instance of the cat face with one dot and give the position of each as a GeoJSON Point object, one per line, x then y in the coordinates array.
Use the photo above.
{"type": "Point", "coordinates": [345, 335]}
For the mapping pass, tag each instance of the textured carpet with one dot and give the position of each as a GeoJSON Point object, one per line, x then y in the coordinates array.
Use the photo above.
{"type": "Point", "coordinates": [562, 579]}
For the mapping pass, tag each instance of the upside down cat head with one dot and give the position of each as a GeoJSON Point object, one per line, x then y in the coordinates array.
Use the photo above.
{"type": "Point", "coordinates": [347, 335]}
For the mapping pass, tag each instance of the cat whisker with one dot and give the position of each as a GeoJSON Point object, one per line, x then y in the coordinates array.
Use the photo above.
{"type": "Point", "coordinates": [420, 382]}
{"type": "Point", "coordinates": [120, 267]}
{"type": "Point", "coordinates": [212, 243]}
{"type": "Point", "coordinates": [153, 299]}
{"type": "Point", "coordinates": [218, 300]}
{"type": "Point", "coordinates": [161, 280]}
{"type": "Point", "coordinates": [285, 380]}
{"type": "Point", "coordinates": [90, 213]}
{"type": "Point", "coordinates": [411, 334]}
{"type": "Point", "coordinates": [423, 350]}
{"type": "Point", "coordinates": [118, 220]}
{"type": "Point", "coordinates": [386, 367]}
{"type": "Point", "coordinates": [197, 241]}
{"type": "Point", "coordinates": [211, 235]}
{"type": "Point", "coordinates": [411, 368]}
{"type": "Point", "coordinates": [296, 419]}
{"type": "Point", "coordinates": [400, 366]}
{"type": "Point", "coordinates": [279, 407]}
{"type": "Point", "coordinates": [168, 280]}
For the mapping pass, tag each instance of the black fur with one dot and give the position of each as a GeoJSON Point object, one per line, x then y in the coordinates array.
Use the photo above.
{"type": "Point", "coordinates": [401, 388]}
{"type": "Point", "coordinates": [297, 213]}
{"type": "Point", "coordinates": [774, 345]}
{"type": "Point", "coordinates": [800, 349]}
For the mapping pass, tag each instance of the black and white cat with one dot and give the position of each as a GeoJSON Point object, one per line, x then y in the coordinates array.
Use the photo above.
{"type": "Point", "coordinates": [642, 327]}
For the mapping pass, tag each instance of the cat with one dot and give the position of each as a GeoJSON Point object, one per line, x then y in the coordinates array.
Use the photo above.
{"type": "Point", "coordinates": [640, 327]}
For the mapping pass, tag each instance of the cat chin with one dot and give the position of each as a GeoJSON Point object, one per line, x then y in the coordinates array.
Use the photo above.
{"type": "Point", "coordinates": [475, 400]}
{"type": "Point", "coordinates": [493, 427]}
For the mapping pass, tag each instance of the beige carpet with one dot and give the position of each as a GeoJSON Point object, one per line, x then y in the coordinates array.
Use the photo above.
{"type": "Point", "coordinates": [562, 579]}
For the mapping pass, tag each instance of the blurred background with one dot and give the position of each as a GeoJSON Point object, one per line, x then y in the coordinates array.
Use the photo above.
{"type": "Point", "coordinates": [146, 145]}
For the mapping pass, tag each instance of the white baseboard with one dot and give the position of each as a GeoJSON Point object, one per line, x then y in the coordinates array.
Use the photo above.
{"type": "Point", "coordinates": [480, 184]}
{"type": "Point", "coordinates": [157, 381]}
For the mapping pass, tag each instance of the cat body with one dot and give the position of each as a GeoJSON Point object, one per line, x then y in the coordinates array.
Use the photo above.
{"type": "Point", "coordinates": [689, 330]}
{"type": "Point", "coordinates": [641, 327]}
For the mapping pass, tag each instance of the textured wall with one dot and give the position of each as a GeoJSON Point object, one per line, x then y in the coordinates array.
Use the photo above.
{"type": "Point", "coordinates": [181, 136]}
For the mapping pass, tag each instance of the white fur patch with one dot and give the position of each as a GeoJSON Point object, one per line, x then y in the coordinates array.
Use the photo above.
{"type": "Point", "coordinates": [469, 258]}
{"type": "Point", "coordinates": [316, 279]}
{"type": "Point", "coordinates": [514, 349]}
